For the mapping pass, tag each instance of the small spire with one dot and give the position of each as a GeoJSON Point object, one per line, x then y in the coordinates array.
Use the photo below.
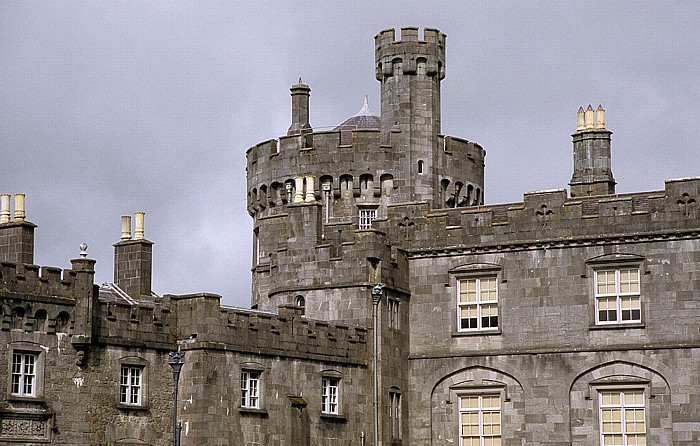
{"type": "Point", "coordinates": [83, 250]}
{"type": "Point", "coordinates": [300, 81]}
{"type": "Point", "coordinates": [365, 111]}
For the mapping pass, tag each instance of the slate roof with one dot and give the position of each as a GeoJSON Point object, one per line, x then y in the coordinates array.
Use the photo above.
{"type": "Point", "coordinates": [364, 119]}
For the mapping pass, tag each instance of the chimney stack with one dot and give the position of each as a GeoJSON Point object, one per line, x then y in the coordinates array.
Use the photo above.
{"type": "Point", "coordinates": [300, 109]}
{"type": "Point", "coordinates": [133, 259]}
{"type": "Point", "coordinates": [16, 236]}
{"type": "Point", "coordinates": [592, 160]}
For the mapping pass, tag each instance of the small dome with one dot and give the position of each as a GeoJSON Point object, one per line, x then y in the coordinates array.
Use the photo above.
{"type": "Point", "coordinates": [364, 119]}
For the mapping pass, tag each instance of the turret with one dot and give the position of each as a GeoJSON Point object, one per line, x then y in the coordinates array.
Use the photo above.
{"type": "Point", "coordinates": [592, 165]}
{"type": "Point", "coordinates": [410, 71]}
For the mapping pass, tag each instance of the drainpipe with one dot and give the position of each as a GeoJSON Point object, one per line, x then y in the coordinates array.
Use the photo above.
{"type": "Point", "coordinates": [376, 297]}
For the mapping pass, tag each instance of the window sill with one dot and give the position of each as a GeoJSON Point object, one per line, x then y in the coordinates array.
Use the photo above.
{"type": "Point", "coordinates": [617, 326]}
{"type": "Point", "coordinates": [25, 399]}
{"type": "Point", "coordinates": [334, 417]}
{"type": "Point", "coordinates": [252, 411]}
{"type": "Point", "coordinates": [456, 334]}
{"type": "Point", "coordinates": [121, 406]}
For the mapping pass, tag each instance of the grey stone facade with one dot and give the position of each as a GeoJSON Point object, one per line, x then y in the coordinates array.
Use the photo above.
{"type": "Point", "coordinates": [548, 315]}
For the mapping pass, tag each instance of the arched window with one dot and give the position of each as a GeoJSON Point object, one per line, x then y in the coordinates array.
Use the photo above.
{"type": "Point", "coordinates": [420, 167]}
{"type": "Point", "coordinates": [62, 322]}
{"type": "Point", "coordinates": [40, 318]}
{"type": "Point", "coordinates": [299, 301]}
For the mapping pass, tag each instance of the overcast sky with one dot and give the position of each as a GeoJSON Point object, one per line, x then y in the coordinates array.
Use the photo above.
{"type": "Point", "coordinates": [108, 108]}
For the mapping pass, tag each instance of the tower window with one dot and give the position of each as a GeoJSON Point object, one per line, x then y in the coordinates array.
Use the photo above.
{"type": "Point", "coordinates": [366, 217]}
{"type": "Point", "coordinates": [420, 167]}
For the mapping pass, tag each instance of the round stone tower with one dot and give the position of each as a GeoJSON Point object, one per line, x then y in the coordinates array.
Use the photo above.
{"type": "Point", "coordinates": [410, 71]}
{"type": "Point", "coordinates": [325, 203]}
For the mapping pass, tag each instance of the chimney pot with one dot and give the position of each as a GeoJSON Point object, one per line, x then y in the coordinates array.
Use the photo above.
{"type": "Point", "coordinates": [19, 207]}
{"type": "Point", "coordinates": [138, 227]}
{"type": "Point", "coordinates": [126, 227]}
{"type": "Point", "coordinates": [5, 208]}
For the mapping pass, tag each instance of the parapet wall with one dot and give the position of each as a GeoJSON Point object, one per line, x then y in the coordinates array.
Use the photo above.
{"type": "Point", "coordinates": [203, 323]}
{"type": "Point", "coordinates": [31, 281]}
{"type": "Point", "coordinates": [273, 166]}
{"type": "Point", "coordinates": [409, 51]}
{"type": "Point", "coordinates": [144, 324]}
{"type": "Point", "coordinates": [551, 217]}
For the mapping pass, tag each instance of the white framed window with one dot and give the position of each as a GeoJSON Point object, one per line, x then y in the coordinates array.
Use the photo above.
{"type": "Point", "coordinates": [131, 385]}
{"type": "Point", "coordinates": [477, 304]}
{"type": "Point", "coordinates": [393, 310]}
{"type": "Point", "coordinates": [622, 415]}
{"type": "Point", "coordinates": [330, 396]}
{"type": "Point", "coordinates": [24, 374]}
{"type": "Point", "coordinates": [395, 414]}
{"type": "Point", "coordinates": [480, 420]}
{"type": "Point", "coordinates": [618, 296]}
{"type": "Point", "coordinates": [250, 389]}
{"type": "Point", "coordinates": [367, 215]}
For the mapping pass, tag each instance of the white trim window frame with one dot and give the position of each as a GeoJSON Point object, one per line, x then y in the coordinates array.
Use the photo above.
{"type": "Point", "coordinates": [480, 419]}
{"type": "Point", "coordinates": [395, 414]}
{"type": "Point", "coordinates": [477, 304]}
{"type": "Point", "coordinates": [622, 417]}
{"type": "Point", "coordinates": [330, 396]}
{"type": "Point", "coordinates": [618, 297]}
{"type": "Point", "coordinates": [131, 385]}
{"type": "Point", "coordinates": [24, 374]}
{"type": "Point", "coordinates": [367, 215]}
{"type": "Point", "coordinates": [250, 389]}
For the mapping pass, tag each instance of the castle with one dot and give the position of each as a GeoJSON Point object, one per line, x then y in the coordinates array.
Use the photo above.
{"type": "Point", "coordinates": [390, 305]}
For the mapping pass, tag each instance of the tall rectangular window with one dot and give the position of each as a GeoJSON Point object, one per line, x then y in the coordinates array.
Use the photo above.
{"type": "Point", "coordinates": [329, 397]}
{"type": "Point", "coordinates": [23, 374]}
{"type": "Point", "coordinates": [617, 296]}
{"type": "Point", "coordinates": [393, 309]}
{"type": "Point", "coordinates": [250, 389]}
{"type": "Point", "coordinates": [622, 418]}
{"type": "Point", "coordinates": [130, 385]}
{"type": "Point", "coordinates": [477, 304]}
{"type": "Point", "coordinates": [480, 420]}
{"type": "Point", "coordinates": [395, 414]}
{"type": "Point", "coordinates": [366, 217]}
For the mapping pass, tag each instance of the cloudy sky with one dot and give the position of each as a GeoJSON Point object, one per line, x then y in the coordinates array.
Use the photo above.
{"type": "Point", "coordinates": [108, 108]}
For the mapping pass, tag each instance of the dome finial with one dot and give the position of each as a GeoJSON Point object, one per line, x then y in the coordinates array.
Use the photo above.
{"type": "Point", "coordinates": [364, 111]}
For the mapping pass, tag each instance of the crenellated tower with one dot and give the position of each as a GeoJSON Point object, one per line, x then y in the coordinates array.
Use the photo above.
{"type": "Point", "coordinates": [322, 200]}
{"type": "Point", "coordinates": [410, 71]}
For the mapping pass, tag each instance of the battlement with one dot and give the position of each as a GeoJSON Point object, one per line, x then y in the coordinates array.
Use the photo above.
{"type": "Point", "coordinates": [33, 280]}
{"type": "Point", "coordinates": [550, 217]}
{"type": "Point", "coordinates": [409, 55]}
{"type": "Point", "coordinates": [144, 324]}
{"type": "Point", "coordinates": [203, 322]}
{"type": "Point", "coordinates": [274, 164]}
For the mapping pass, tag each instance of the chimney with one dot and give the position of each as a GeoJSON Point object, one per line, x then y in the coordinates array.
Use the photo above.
{"type": "Point", "coordinates": [592, 160]}
{"type": "Point", "coordinates": [16, 236]}
{"type": "Point", "coordinates": [133, 262]}
{"type": "Point", "coordinates": [300, 109]}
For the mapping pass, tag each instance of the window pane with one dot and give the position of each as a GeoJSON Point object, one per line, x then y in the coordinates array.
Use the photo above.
{"type": "Point", "coordinates": [605, 282]}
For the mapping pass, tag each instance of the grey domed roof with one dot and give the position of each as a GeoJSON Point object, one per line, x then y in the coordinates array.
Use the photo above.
{"type": "Point", "coordinates": [364, 119]}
